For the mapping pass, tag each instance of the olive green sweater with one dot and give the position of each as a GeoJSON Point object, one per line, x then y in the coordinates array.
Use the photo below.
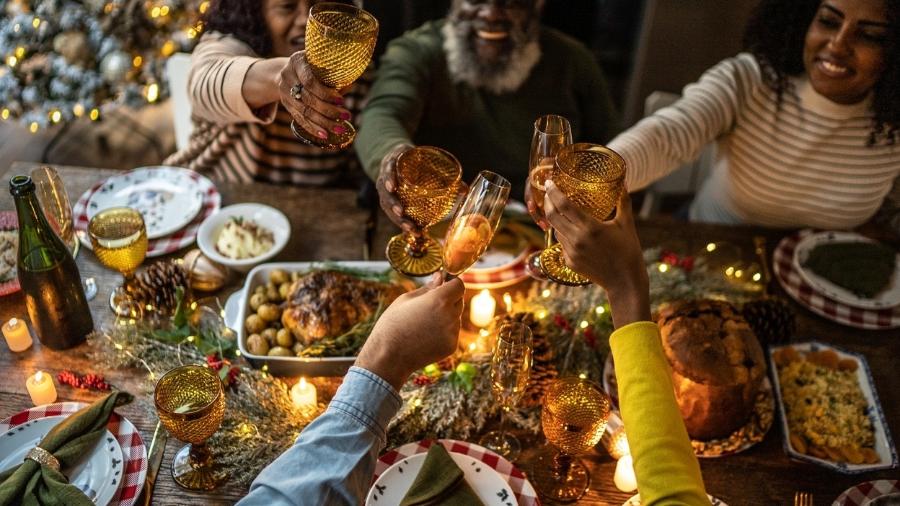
{"type": "Point", "coordinates": [414, 100]}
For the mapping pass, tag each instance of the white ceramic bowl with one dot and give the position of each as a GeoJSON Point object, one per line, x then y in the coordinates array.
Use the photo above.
{"type": "Point", "coordinates": [263, 215]}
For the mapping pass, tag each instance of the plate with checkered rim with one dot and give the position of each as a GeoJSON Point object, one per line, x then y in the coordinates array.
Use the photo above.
{"type": "Point", "coordinates": [181, 238]}
{"type": "Point", "coordinates": [795, 286]}
{"type": "Point", "coordinates": [98, 474]}
{"type": "Point", "coordinates": [866, 492]}
{"type": "Point", "coordinates": [394, 483]}
{"type": "Point", "coordinates": [133, 450]}
{"type": "Point", "coordinates": [522, 489]}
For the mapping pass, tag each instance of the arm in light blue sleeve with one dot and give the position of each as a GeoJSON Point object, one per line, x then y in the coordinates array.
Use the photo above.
{"type": "Point", "coordinates": [333, 460]}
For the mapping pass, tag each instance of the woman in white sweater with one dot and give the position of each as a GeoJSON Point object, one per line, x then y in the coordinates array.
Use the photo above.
{"type": "Point", "coordinates": [806, 122]}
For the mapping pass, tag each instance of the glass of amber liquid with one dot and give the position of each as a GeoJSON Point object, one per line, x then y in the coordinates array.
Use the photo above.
{"type": "Point", "coordinates": [190, 403]}
{"type": "Point", "coordinates": [427, 184]}
{"type": "Point", "coordinates": [592, 177]}
{"type": "Point", "coordinates": [119, 239]}
{"type": "Point", "coordinates": [475, 222]}
{"type": "Point", "coordinates": [551, 133]}
{"type": "Point", "coordinates": [510, 372]}
{"type": "Point", "coordinates": [574, 418]}
{"type": "Point", "coordinates": [340, 39]}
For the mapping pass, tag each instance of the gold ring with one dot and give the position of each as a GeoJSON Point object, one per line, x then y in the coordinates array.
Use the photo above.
{"type": "Point", "coordinates": [43, 457]}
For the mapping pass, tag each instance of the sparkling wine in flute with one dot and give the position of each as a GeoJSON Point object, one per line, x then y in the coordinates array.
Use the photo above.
{"type": "Point", "coordinates": [509, 380]}
{"type": "Point", "coordinates": [475, 222]}
{"type": "Point", "coordinates": [467, 240]}
{"type": "Point", "coordinates": [539, 176]}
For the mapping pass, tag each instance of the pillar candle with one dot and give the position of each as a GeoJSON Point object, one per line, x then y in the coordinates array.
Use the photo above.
{"type": "Point", "coordinates": [41, 388]}
{"type": "Point", "coordinates": [303, 395]}
{"type": "Point", "coordinates": [624, 477]}
{"type": "Point", "coordinates": [481, 308]}
{"type": "Point", "coordinates": [17, 336]}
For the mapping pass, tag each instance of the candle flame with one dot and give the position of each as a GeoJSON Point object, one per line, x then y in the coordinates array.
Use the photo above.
{"type": "Point", "coordinates": [39, 376]}
{"type": "Point", "coordinates": [12, 322]}
{"type": "Point", "coordinates": [507, 300]}
{"type": "Point", "coordinates": [302, 383]}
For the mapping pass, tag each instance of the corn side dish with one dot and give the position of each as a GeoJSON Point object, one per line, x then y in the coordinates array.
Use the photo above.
{"type": "Point", "coordinates": [825, 405]}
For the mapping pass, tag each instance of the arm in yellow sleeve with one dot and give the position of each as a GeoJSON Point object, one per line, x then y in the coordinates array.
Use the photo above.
{"type": "Point", "coordinates": [667, 471]}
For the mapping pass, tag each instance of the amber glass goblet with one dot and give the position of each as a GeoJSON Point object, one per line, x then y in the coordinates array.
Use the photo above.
{"type": "Point", "coordinates": [475, 222]}
{"type": "Point", "coordinates": [427, 186]}
{"type": "Point", "coordinates": [340, 39]}
{"type": "Point", "coordinates": [551, 133]}
{"type": "Point", "coordinates": [592, 177]}
{"type": "Point", "coordinates": [119, 238]}
{"type": "Point", "coordinates": [190, 403]}
{"type": "Point", "coordinates": [573, 418]}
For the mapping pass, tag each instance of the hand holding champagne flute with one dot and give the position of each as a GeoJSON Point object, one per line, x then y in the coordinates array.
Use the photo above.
{"type": "Point", "coordinates": [551, 133]}
{"type": "Point", "coordinates": [475, 222]}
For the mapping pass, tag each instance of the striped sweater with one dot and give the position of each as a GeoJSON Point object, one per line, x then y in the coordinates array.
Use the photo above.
{"type": "Point", "coordinates": [805, 164]}
{"type": "Point", "coordinates": [236, 143]}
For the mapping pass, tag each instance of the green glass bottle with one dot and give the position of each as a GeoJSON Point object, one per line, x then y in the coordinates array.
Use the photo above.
{"type": "Point", "coordinates": [50, 279]}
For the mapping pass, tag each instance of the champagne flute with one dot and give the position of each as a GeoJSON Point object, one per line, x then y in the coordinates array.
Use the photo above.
{"type": "Point", "coordinates": [510, 370]}
{"type": "Point", "coordinates": [592, 177]}
{"type": "Point", "coordinates": [119, 238]}
{"type": "Point", "coordinates": [427, 184]}
{"type": "Point", "coordinates": [190, 403]}
{"type": "Point", "coordinates": [551, 133]}
{"type": "Point", "coordinates": [340, 39]}
{"type": "Point", "coordinates": [54, 201]}
{"type": "Point", "coordinates": [574, 418]}
{"type": "Point", "coordinates": [475, 222]}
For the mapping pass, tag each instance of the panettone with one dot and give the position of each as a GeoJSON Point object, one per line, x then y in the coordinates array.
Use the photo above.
{"type": "Point", "coordinates": [717, 365]}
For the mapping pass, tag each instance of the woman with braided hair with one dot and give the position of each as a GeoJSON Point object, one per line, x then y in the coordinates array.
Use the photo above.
{"type": "Point", "coordinates": [249, 79]}
{"type": "Point", "coordinates": [807, 121]}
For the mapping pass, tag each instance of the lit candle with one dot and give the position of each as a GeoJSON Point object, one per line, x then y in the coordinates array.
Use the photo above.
{"type": "Point", "coordinates": [41, 388]}
{"type": "Point", "coordinates": [17, 336]}
{"type": "Point", "coordinates": [507, 301]}
{"type": "Point", "coordinates": [303, 395]}
{"type": "Point", "coordinates": [482, 307]}
{"type": "Point", "coordinates": [624, 477]}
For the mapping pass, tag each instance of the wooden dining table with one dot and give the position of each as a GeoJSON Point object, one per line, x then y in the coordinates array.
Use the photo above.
{"type": "Point", "coordinates": [327, 224]}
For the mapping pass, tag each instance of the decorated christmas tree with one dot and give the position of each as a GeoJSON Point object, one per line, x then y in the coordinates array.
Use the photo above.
{"type": "Point", "coordinates": [65, 59]}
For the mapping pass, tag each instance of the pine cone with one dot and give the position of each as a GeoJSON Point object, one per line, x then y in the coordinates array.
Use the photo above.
{"type": "Point", "coordinates": [772, 320]}
{"type": "Point", "coordinates": [157, 284]}
{"type": "Point", "coordinates": [543, 367]}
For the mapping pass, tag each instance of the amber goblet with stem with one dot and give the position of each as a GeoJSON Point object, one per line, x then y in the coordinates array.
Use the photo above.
{"type": "Point", "coordinates": [339, 41]}
{"type": "Point", "coordinates": [190, 403]}
{"type": "Point", "coordinates": [119, 238]}
{"type": "Point", "coordinates": [574, 418]}
{"type": "Point", "coordinates": [427, 186]}
{"type": "Point", "coordinates": [551, 133]}
{"type": "Point", "coordinates": [475, 222]}
{"type": "Point", "coordinates": [592, 177]}
{"type": "Point", "coordinates": [510, 371]}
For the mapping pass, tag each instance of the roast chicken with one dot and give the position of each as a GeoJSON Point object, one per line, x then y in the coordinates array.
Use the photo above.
{"type": "Point", "coordinates": [329, 303]}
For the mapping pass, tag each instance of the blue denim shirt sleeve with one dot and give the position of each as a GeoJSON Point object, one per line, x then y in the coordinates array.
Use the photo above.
{"type": "Point", "coordinates": [333, 460]}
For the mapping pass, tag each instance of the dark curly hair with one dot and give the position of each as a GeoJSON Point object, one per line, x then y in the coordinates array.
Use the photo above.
{"type": "Point", "coordinates": [776, 35]}
{"type": "Point", "coordinates": [242, 19]}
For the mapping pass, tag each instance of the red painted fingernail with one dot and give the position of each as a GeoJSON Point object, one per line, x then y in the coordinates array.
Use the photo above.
{"type": "Point", "coordinates": [322, 134]}
{"type": "Point", "coordinates": [339, 130]}
{"type": "Point", "coordinates": [345, 115]}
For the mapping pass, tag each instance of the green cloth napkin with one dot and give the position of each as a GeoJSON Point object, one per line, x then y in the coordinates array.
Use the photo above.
{"type": "Point", "coordinates": [33, 484]}
{"type": "Point", "coordinates": [440, 481]}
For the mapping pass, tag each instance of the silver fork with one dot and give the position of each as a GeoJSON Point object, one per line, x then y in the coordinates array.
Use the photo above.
{"type": "Point", "coordinates": [803, 499]}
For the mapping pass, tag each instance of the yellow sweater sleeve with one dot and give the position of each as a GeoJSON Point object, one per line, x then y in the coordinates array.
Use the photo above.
{"type": "Point", "coordinates": [667, 471]}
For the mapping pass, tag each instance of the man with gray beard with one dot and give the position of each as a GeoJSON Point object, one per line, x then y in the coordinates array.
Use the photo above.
{"type": "Point", "coordinates": [473, 84]}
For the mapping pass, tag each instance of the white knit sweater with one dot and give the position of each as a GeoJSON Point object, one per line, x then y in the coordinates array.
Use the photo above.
{"type": "Point", "coordinates": [803, 165]}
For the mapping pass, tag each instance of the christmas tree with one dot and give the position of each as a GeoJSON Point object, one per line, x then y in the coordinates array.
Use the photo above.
{"type": "Point", "coordinates": [65, 59]}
